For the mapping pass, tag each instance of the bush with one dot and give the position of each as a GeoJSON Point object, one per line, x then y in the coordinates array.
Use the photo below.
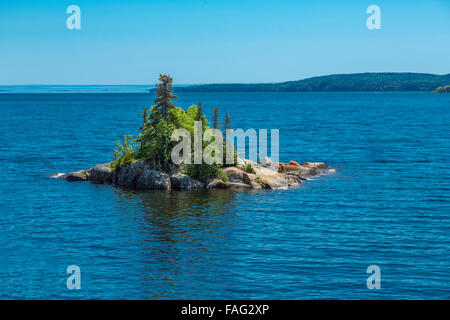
{"type": "Point", "coordinates": [204, 171]}
{"type": "Point", "coordinates": [221, 175]}
{"type": "Point", "coordinates": [125, 153]}
{"type": "Point", "coordinates": [248, 168]}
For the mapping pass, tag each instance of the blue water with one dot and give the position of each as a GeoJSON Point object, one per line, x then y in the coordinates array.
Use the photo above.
{"type": "Point", "coordinates": [388, 204]}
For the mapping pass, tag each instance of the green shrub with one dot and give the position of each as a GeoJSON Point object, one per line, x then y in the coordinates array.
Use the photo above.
{"type": "Point", "coordinates": [221, 175]}
{"type": "Point", "coordinates": [125, 153]}
{"type": "Point", "coordinates": [248, 168]}
{"type": "Point", "coordinates": [204, 171]}
{"type": "Point", "coordinates": [154, 144]}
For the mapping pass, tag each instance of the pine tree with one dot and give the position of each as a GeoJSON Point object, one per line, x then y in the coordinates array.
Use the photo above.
{"type": "Point", "coordinates": [165, 94]}
{"type": "Point", "coordinates": [227, 123]}
{"type": "Point", "coordinates": [216, 123]}
{"type": "Point", "coordinates": [199, 112]}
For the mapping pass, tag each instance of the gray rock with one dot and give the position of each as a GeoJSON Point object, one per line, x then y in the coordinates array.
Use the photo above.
{"type": "Point", "coordinates": [250, 179]}
{"type": "Point", "coordinates": [184, 182]}
{"type": "Point", "coordinates": [275, 182]}
{"type": "Point", "coordinates": [266, 162]}
{"type": "Point", "coordinates": [127, 175]}
{"type": "Point", "coordinates": [318, 165]}
{"type": "Point", "coordinates": [152, 179]}
{"type": "Point", "coordinates": [101, 173]}
{"type": "Point", "coordinates": [293, 180]}
{"type": "Point", "coordinates": [239, 185]}
{"type": "Point", "coordinates": [234, 174]}
{"type": "Point", "coordinates": [219, 184]}
{"type": "Point", "coordinates": [81, 175]}
{"type": "Point", "coordinates": [299, 170]}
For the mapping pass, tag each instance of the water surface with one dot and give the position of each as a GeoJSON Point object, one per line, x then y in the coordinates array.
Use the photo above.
{"type": "Point", "coordinates": [387, 205]}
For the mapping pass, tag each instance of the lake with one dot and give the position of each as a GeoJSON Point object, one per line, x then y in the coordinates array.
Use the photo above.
{"type": "Point", "coordinates": [388, 204]}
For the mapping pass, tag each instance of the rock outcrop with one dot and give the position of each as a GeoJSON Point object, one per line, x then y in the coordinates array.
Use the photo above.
{"type": "Point", "coordinates": [153, 179]}
{"type": "Point", "coordinates": [81, 175]}
{"type": "Point", "coordinates": [127, 175]}
{"type": "Point", "coordinates": [249, 175]}
{"type": "Point", "coordinates": [101, 173]}
{"type": "Point", "coordinates": [182, 181]}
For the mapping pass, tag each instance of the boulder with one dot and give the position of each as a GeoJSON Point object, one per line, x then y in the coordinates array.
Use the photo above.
{"type": "Point", "coordinates": [266, 162]}
{"type": "Point", "coordinates": [101, 173]}
{"type": "Point", "coordinates": [244, 162]}
{"type": "Point", "coordinates": [234, 174]}
{"type": "Point", "coordinates": [275, 182]}
{"type": "Point", "coordinates": [294, 163]}
{"type": "Point", "coordinates": [271, 179]}
{"type": "Point", "coordinates": [318, 165]}
{"type": "Point", "coordinates": [127, 175]}
{"type": "Point", "coordinates": [239, 185]}
{"type": "Point", "coordinates": [152, 179]}
{"type": "Point", "coordinates": [250, 179]}
{"type": "Point", "coordinates": [184, 182]}
{"type": "Point", "coordinates": [293, 180]}
{"type": "Point", "coordinates": [81, 175]}
{"type": "Point", "coordinates": [298, 170]}
{"type": "Point", "coordinates": [217, 184]}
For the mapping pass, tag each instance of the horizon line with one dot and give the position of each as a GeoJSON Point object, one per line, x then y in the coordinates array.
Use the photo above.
{"type": "Point", "coordinates": [209, 83]}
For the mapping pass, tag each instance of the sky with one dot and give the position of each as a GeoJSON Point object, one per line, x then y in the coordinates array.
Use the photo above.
{"type": "Point", "coordinates": [212, 41]}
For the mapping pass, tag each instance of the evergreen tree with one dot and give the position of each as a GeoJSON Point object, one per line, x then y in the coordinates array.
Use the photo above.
{"type": "Point", "coordinates": [227, 124]}
{"type": "Point", "coordinates": [199, 116]}
{"type": "Point", "coordinates": [154, 138]}
{"type": "Point", "coordinates": [165, 94]}
{"type": "Point", "coordinates": [216, 123]}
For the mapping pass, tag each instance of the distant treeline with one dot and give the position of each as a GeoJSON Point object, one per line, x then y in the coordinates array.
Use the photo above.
{"type": "Point", "coordinates": [337, 82]}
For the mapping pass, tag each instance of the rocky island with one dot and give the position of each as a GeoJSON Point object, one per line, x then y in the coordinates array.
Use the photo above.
{"type": "Point", "coordinates": [262, 175]}
{"type": "Point", "coordinates": [147, 162]}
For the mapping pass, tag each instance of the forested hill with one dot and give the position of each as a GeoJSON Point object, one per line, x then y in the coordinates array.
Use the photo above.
{"type": "Point", "coordinates": [337, 82]}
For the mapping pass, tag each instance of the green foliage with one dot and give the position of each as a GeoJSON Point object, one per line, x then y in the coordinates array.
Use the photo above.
{"type": "Point", "coordinates": [158, 126]}
{"type": "Point", "coordinates": [165, 94]}
{"type": "Point", "coordinates": [203, 172]}
{"type": "Point", "coordinates": [154, 145]}
{"type": "Point", "coordinates": [227, 123]}
{"type": "Point", "coordinates": [125, 153]}
{"type": "Point", "coordinates": [216, 124]}
{"type": "Point", "coordinates": [380, 81]}
{"type": "Point", "coordinates": [444, 89]}
{"type": "Point", "coordinates": [248, 168]}
{"type": "Point", "coordinates": [221, 175]}
{"type": "Point", "coordinates": [260, 181]}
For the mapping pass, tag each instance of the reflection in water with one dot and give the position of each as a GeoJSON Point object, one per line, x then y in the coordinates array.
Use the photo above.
{"type": "Point", "coordinates": [184, 238]}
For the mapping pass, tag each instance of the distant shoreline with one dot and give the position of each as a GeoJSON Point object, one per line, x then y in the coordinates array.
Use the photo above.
{"type": "Point", "coordinates": [356, 82]}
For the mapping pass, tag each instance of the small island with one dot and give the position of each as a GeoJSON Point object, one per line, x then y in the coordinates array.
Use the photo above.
{"type": "Point", "coordinates": [444, 89]}
{"type": "Point", "coordinates": [145, 162]}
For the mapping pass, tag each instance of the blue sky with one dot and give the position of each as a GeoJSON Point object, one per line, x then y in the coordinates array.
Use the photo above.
{"type": "Point", "coordinates": [131, 42]}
